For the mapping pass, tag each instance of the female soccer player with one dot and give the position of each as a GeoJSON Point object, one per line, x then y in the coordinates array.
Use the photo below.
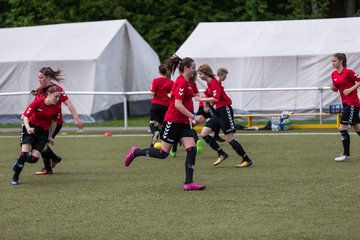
{"type": "Point", "coordinates": [39, 120]}
{"type": "Point", "coordinates": [223, 117]}
{"type": "Point", "coordinates": [46, 76]}
{"type": "Point", "coordinates": [173, 151]}
{"type": "Point", "coordinates": [209, 111]}
{"type": "Point", "coordinates": [347, 82]}
{"type": "Point", "coordinates": [160, 89]}
{"type": "Point", "coordinates": [177, 122]}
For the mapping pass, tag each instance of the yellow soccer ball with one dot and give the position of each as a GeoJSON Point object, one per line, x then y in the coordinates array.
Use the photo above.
{"type": "Point", "coordinates": [157, 145]}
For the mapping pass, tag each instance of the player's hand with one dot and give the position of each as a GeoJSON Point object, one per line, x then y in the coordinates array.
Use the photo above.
{"type": "Point", "coordinates": [197, 98]}
{"type": "Point", "coordinates": [30, 130]}
{"type": "Point", "coordinates": [79, 124]}
{"type": "Point", "coordinates": [347, 91]}
{"type": "Point", "coordinates": [332, 86]}
{"type": "Point", "coordinates": [199, 118]}
{"type": "Point", "coordinates": [51, 141]}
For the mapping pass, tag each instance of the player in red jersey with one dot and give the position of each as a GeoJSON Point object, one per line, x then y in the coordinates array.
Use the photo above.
{"type": "Point", "coordinates": [177, 122]}
{"type": "Point", "coordinates": [223, 117]}
{"type": "Point", "coordinates": [209, 110]}
{"type": "Point", "coordinates": [39, 120]}
{"type": "Point", "coordinates": [173, 151]}
{"type": "Point", "coordinates": [346, 81]}
{"type": "Point", "coordinates": [160, 90]}
{"type": "Point", "coordinates": [46, 76]}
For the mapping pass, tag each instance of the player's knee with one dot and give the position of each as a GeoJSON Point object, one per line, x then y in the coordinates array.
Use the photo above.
{"type": "Point", "coordinates": [163, 154]}
{"type": "Point", "coordinates": [344, 134]}
{"type": "Point", "coordinates": [24, 157]}
{"type": "Point", "coordinates": [33, 159]}
{"type": "Point", "coordinates": [233, 142]}
{"type": "Point", "coordinates": [206, 138]}
{"type": "Point", "coordinates": [191, 150]}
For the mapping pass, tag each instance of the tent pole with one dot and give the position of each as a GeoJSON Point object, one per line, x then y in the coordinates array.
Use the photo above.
{"type": "Point", "coordinates": [125, 113]}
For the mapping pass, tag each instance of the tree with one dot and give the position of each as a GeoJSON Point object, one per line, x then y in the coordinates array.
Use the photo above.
{"type": "Point", "coordinates": [166, 24]}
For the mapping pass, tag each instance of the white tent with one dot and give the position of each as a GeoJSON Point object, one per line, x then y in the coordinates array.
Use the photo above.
{"type": "Point", "coordinates": [276, 54]}
{"type": "Point", "coordinates": [94, 56]}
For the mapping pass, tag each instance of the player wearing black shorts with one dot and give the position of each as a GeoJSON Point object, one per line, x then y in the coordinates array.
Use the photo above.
{"type": "Point", "coordinates": [177, 122]}
{"type": "Point", "coordinates": [198, 142]}
{"type": "Point", "coordinates": [346, 82]}
{"type": "Point", "coordinates": [39, 122]}
{"type": "Point", "coordinates": [46, 76]}
{"type": "Point", "coordinates": [223, 117]}
{"type": "Point", "coordinates": [160, 90]}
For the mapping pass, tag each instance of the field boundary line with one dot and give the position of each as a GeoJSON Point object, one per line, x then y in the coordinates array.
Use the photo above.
{"type": "Point", "coordinates": [148, 135]}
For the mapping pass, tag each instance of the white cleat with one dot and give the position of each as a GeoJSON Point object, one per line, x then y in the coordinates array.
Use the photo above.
{"type": "Point", "coordinates": [342, 158]}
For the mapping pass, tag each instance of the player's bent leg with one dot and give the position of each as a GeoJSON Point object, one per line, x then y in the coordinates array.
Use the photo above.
{"type": "Point", "coordinates": [46, 156]}
{"type": "Point", "coordinates": [18, 167]}
{"type": "Point", "coordinates": [148, 152]}
{"type": "Point", "coordinates": [214, 145]}
{"type": "Point", "coordinates": [155, 130]}
{"type": "Point", "coordinates": [246, 162]}
{"type": "Point", "coordinates": [55, 159]}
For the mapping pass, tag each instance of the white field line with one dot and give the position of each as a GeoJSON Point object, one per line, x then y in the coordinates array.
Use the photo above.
{"type": "Point", "coordinates": [148, 135]}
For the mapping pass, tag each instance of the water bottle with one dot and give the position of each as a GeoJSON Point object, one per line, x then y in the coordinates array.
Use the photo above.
{"type": "Point", "coordinates": [275, 124]}
{"type": "Point", "coordinates": [281, 124]}
{"type": "Point", "coordinates": [337, 109]}
{"type": "Point", "coordinates": [287, 124]}
{"type": "Point", "coordinates": [331, 109]}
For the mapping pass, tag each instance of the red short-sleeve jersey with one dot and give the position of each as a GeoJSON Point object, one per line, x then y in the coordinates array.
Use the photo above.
{"type": "Point", "coordinates": [161, 87]}
{"type": "Point", "coordinates": [63, 98]}
{"type": "Point", "coordinates": [41, 114]}
{"type": "Point", "coordinates": [183, 91]}
{"type": "Point", "coordinates": [344, 80]}
{"type": "Point", "coordinates": [216, 90]}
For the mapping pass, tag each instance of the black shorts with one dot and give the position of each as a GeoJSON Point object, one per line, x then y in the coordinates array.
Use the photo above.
{"type": "Point", "coordinates": [201, 111]}
{"type": "Point", "coordinates": [172, 132]}
{"type": "Point", "coordinates": [350, 115]}
{"type": "Point", "coordinates": [37, 140]}
{"type": "Point", "coordinates": [223, 118]}
{"type": "Point", "coordinates": [157, 113]}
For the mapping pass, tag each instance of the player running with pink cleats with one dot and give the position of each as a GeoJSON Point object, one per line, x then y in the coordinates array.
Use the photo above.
{"type": "Point", "coordinates": [177, 122]}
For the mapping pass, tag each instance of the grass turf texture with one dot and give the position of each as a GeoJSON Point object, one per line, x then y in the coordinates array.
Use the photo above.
{"type": "Point", "coordinates": [295, 190]}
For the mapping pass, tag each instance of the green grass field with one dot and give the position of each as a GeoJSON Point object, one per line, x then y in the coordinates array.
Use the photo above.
{"type": "Point", "coordinates": [295, 190]}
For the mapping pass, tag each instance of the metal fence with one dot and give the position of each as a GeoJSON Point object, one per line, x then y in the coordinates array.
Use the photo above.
{"type": "Point", "coordinates": [126, 94]}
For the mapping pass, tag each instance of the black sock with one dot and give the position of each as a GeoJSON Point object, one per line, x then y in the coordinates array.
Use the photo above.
{"type": "Point", "coordinates": [20, 164]}
{"type": "Point", "coordinates": [46, 158]}
{"type": "Point", "coordinates": [175, 145]}
{"type": "Point", "coordinates": [213, 144]}
{"type": "Point", "coordinates": [190, 164]}
{"type": "Point", "coordinates": [345, 137]}
{"type": "Point", "coordinates": [52, 155]}
{"type": "Point", "coordinates": [151, 152]}
{"type": "Point", "coordinates": [239, 149]}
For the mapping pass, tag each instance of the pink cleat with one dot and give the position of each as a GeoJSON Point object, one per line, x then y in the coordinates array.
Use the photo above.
{"type": "Point", "coordinates": [130, 157]}
{"type": "Point", "coordinates": [194, 186]}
